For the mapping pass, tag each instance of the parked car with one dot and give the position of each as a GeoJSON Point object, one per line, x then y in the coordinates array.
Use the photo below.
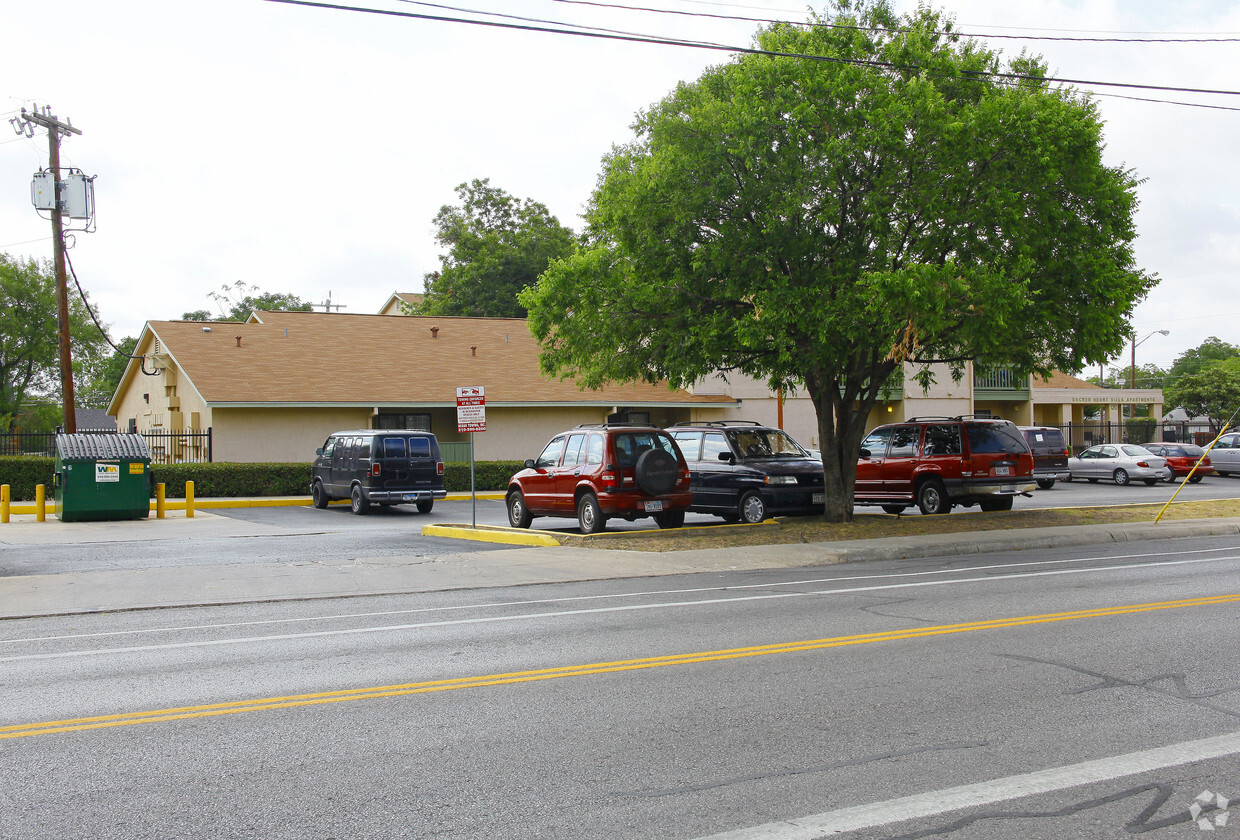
{"type": "Point", "coordinates": [596, 472]}
{"type": "Point", "coordinates": [1050, 454]}
{"type": "Point", "coordinates": [938, 462]}
{"type": "Point", "coordinates": [378, 466]}
{"type": "Point", "coordinates": [1181, 460]}
{"type": "Point", "coordinates": [744, 471]}
{"type": "Point", "coordinates": [1118, 462]}
{"type": "Point", "coordinates": [1226, 454]}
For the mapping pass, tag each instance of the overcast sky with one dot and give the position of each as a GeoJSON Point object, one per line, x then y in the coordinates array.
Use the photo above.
{"type": "Point", "coordinates": [307, 151]}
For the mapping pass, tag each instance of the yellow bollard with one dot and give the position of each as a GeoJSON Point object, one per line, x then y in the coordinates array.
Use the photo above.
{"type": "Point", "coordinates": [189, 499]}
{"type": "Point", "coordinates": [4, 504]}
{"type": "Point", "coordinates": [159, 500]}
{"type": "Point", "coordinates": [40, 504]}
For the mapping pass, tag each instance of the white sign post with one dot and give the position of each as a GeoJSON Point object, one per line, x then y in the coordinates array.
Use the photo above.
{"type": "Point", "coordinates": [471, 416]}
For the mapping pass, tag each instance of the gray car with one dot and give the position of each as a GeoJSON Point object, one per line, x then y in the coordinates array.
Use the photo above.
{"type": "Point", "coordinates": [1226, 454]}
{"type": "Point", "coordinates": [1119, 462]}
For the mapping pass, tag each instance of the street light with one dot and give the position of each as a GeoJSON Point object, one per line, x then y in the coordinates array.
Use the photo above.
{"type": "Point", "coordinates": [1135, 345]}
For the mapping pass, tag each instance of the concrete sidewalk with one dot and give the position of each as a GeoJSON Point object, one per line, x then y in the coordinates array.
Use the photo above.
{"type": "Point", "coordinates": [108, 591]}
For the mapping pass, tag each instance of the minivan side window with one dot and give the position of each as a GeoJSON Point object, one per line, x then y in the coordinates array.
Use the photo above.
{"type": "Point", "coordinates": [690, 444]}
{"type": "Point", "coordinates": [363, 450]}
{"type": "Point", "coordinates": [714, 446]}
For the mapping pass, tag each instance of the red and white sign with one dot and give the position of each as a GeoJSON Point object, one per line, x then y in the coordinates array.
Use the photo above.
{"type": "Point", "coordinates": [471, 410]}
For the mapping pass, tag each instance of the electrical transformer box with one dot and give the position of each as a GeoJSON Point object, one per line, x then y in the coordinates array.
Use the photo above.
{"type": "Point", "coordinates": [43, 191]}
{"type": "Point", "coordinates": [78, 195]}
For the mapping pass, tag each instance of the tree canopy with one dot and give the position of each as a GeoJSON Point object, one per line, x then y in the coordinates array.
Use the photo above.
{"type": "Point", "coordinates": [496, 246]}
{"type": "Point", "coordinates": [1212, 391]}
{"type": "Point", "coordinates": [1194, 359]}
{"type": "Point", "coordinates": [237, 301]}
{"type": "Point", "coordinates": [29, 340]}
{"type": "Point", "coordinates": [870, 196]}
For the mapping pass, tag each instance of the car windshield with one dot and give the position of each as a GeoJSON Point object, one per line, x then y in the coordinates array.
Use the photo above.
{"type": "Point", "coordinates": [990, 438]}
{"type": "Point", "coordinates": [766, 443]}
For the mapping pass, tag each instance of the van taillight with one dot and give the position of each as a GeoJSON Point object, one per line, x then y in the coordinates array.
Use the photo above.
{"type": "Point", "coordinates": [439, 467]}
{"type": "Point", "coordinates": [375, 468]}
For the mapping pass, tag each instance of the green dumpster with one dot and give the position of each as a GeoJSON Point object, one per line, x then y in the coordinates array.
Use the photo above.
{"type": "Point", "coordinates": [102, 477]}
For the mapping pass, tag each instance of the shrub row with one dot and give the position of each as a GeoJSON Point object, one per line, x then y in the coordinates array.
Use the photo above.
{"type": "Point", "coordinates": [23, 472]}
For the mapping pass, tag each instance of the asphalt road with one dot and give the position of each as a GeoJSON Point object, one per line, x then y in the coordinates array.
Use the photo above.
{"type": "Point", "coordinates": [902, 699]}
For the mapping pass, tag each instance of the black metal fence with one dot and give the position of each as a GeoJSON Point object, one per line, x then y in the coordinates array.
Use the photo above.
{"type": "Point", "coordinates": [166, 447]}
{"type": "Point", "coordinates": [1141, 430]}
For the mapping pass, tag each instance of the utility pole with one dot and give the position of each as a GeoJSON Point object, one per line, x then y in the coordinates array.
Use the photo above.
{"type": "Point", "coordinates": [55, 128]}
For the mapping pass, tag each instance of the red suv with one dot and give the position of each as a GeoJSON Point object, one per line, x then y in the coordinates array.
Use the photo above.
{"type": "Point", "coordinates": [938, 462]}
{"type": "Point", "coordinates": [596, 472]}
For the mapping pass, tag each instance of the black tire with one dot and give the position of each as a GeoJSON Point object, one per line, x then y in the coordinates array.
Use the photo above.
{"type": "Point", "coordinates": [895, 509]}
{"type": "Point", "coordinates": [358, 501]}
{"type": "Point", "coordinates": [997, 503]}
{"type": "Point", "coordinates": [519, 515]}
{"type": "Point", "coordinates": [751, 508]}
{"type": "Point", "coordinates": [1196, 479]}
{"type": "Point", "coordinates": [657, 472]}
{"type": "Point", "coordinates": [426, 506]}
{"type": "Point", "coordinates": [1092, 480]}
{"type": "Point", "coordinates": [1046, 483]}
{"type": "Point", "coordinates": [932, 498]}
{"type": "Point", "coordinates": [1170, 479]}
{"type": "Point", "coordinates": [590, 519]}
{"type": "Point", "coordinates": [1067, 478]}
{"type": "Point", "coordinates": [670, 519]}
{"type": "Point", "coordinates": [319, 495]}
{"type": "Point", "coordinates": [1121, 477]}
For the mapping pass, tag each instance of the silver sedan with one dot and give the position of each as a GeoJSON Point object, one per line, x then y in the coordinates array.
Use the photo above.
{"type": "Point", "coordinates": [1118, 462]}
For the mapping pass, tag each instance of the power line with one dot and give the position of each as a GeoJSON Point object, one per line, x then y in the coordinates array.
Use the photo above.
{"type": "Point", "coordinates": [660, 41]}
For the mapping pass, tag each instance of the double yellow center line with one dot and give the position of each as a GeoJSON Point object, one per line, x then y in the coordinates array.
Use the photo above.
{"type": "Point", "coordinates": [375, 692]}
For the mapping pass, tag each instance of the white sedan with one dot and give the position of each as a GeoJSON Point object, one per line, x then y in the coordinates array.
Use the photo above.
{"type": "Point", "coordinates": [1118, 462]}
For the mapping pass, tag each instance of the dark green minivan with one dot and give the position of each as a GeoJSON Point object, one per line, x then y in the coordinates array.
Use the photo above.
{"type": "Point", "coordinates": [378, 466]}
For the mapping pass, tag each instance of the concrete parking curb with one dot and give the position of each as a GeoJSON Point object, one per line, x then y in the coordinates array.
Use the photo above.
{"type": "Point", "coordinates": [491, 534]}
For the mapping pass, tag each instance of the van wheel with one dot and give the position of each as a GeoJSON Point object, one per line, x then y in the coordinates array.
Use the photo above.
{"type": "Point", "coordinates": [589, 518]}
{"type": "Point", "coordinates": [519, 515]}
{"type": "Point", "coordinates": [319, 495]}
{"type": "Point", "coordinates": [932, 498]}
{"type": "Point", "coordinates": [1046, 483]}
{"type": "Point", "coordinates": [1001, 503]}
{"type": "Point", "coordinates": [1121, 477]}
{"type": "Point", "coordinates": [358, 501]}
{"type": "Point", "coordinates": [425, 506]}
{"type": "Point", "coordinates": [752, 508]}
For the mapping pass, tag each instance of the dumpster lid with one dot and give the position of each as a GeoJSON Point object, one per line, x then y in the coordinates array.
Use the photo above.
{"type": "Point", "coordinates": [107, 446]}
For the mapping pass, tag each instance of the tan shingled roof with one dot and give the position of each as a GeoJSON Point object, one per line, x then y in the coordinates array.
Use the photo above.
{"type": "Point", "coordinates": [1063, 380]}
{"type": "Point", "coordinates": [312, 358]}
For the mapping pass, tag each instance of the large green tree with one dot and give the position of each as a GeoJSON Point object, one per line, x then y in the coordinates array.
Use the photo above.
{"type": "Point", "coordinates": [868, 194]}
{"type": "Point", "coordinates": [29, 337]}
{"type": "Point", "coordinates": [496, 245]}
{"type": "Point", "coordinates": [237, 301]}
{"type": "Point", "coordinates": [1194, 359]}
{"type": "Point", "coordinates": [1211, 391]}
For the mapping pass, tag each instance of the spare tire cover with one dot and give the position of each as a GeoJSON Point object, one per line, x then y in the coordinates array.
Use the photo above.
{"type": "Point", "coordinates": [657, 472]}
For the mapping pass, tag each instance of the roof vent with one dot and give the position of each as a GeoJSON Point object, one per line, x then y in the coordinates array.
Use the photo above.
{"type": "Point", "coordinates": [434, 332]}
{"type": "Point", "coordinates": [238, 340]}
{"type": "Point", "coordinates": [473, 349]}
{"type": "Point", "coordinates": [206, 329]}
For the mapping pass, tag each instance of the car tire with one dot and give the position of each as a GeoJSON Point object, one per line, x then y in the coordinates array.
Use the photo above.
{"type": "Point", "coordinates": [999, 503]}
{"type": "Point", "coordinates": [1121, 477]}
{"type": "Point", "coordinates": [519, 515]}
{"type": "Point", "coordinates": [1196, 479]}
{"type": "Point", "coordinates": [1170, 479]}
{"type": "Point", "coordinates": [670, 519]}
{"type": "Point", "coordinates": [1150, 482]}
{"type": "Point", "coordinates": [751, 508]}
{"type": "Point", "coordinates": [895, 509]}
{"type": "Point", "coordinates": [1067, 479]}
{"type": "Point", "coordinates": [656, 472]}
{"type": "Point", "coordinates": [590, 519]}
{"type": "Point", "coordinates": [426, 506]}
{"type": "Point", "coordinates": [932, 498]}
{"type": "Point", "coordinates": [358, 502]}
{"type": "Point", "coordinates": [319, 495]}
{"type": "Point", "coordinates": [1092, 480]}
{"type": "Point", "coordinates": [1046, 483]}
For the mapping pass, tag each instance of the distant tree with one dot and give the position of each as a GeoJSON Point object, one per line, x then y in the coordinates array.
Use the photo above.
{"type": "Point", "coordinates": [29, 337]}
{"type": "Point", "coordinates": [236, 302]}
{"type": "Point", "coordinates": [1212, 391]}
{"type": "Point", "coordinates": [1193, 360]}
{"type": "Point", "coordinates": [106, 376]}
{"type": "Point", "coordinates": [867, 195]}
{"type": "Point", "coordinates": [496, 246]}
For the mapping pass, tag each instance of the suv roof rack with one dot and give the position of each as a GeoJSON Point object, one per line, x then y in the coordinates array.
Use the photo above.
{"type": "Point", "coordinates": [615, 426]}
{"type": "Point", "coordinates": [930, 417]}
{"type": "Point", "coordinates": [719, 423]}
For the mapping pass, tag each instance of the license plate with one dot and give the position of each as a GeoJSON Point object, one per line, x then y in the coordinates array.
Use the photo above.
{"type": "Point", "coordinates": [411, 497]}
{"type": "Point", "coordinates": [1003, 470]}
{"type": "Point", "coordinates": [654, 507]}
{"type": "Point", "coordinates": [818, 499]}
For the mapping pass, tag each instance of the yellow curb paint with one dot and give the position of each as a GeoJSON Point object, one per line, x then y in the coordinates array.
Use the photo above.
{"type": "Point", "coordinates": [26, 730]}
{"type": "Point", "coordinates": [464, 532]}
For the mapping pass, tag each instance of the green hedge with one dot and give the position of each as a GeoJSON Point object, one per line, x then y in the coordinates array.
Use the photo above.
{"type": "Point", "coordinates": [23, 472]}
